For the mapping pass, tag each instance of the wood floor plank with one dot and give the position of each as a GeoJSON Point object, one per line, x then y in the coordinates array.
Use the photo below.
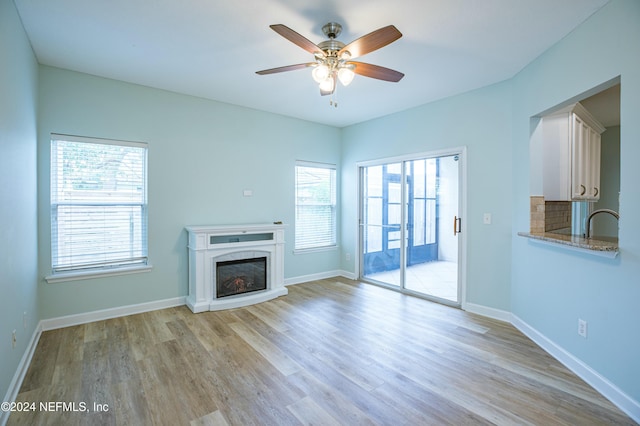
{"type": "Point", "coordinates": [199, 326]}
{"type": "Point", "coordinates": [343, 357]}
{"type": "Point", "coordinates": [246, 398]}
{"type": "Point", "coordinates": [297, 315]}
{"type": "Point", "coordinates": [331, 400]}
{"type": "Point", "coordinates": [96, 330]}
{"type": "Point", "coordinates": [324, 375]}
{"type": "Point", "coordinates": [130, 404]}
{"type": "Point", "coordinates": [275, 390]}
{"type": "Point", "coordinates": [271, 315]}
{"type": "Point", "coordinates": [31, 417]}
{"type": "Point", "coordinates": [309, 413]}
{"type": "Point", "coordinates": [212, 419]}
{"type": "Point", "coordinates": [157, 326]}
{"type": "Point", "coordinates": [277, 358]}
{"type": "Point", "coordinates": [97, 380]}
{"type": "Point", "coordinates": [141, 340]}
{"type": "Point", "coordinates": [158, 387]}
{"type": "Point", "coordinates": [332, 351]}
{"type": "Point", "coordinates": [428, 407]}
{"type": "Point", "coordinates": [43, 363]}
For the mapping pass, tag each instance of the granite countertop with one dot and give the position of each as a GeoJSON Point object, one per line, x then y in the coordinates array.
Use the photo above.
{"type": "Point", "coordinates": [602, 244]}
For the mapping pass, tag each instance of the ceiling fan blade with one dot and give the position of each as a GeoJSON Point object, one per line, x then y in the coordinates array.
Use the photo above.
{"type": "Point", "coordinates": [297, 39]}
{"type": "Point", "coordinates": [286, 68]}
{"type": "Point", "coordinates": [372, 41]}
{"type": "Point", "coordinates": [376, 71]}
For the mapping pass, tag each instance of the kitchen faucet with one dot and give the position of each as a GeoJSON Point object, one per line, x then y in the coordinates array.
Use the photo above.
{"type": "Point", "coordinates": [595, 212]}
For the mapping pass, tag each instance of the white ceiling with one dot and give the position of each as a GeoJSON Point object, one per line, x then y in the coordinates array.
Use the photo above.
{"type": "Point", "coordinates": [212, 48]}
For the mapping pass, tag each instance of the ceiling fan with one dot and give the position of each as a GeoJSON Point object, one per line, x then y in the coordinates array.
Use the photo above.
{"type": "Point", "coordinates": [333, 58]}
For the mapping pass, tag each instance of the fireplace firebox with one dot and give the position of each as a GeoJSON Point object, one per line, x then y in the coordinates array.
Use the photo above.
{"type": "Point", "coordinates": [241, 276]}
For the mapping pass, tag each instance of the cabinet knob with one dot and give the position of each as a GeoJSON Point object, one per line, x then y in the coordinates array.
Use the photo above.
{"type": "Point", "coordinates": [595, 192]}
{"type": "Point", "coordinates": [584, 189]}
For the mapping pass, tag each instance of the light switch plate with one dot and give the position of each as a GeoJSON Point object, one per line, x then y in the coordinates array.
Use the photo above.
{"type": "Point", "coordinates": [486, 219]}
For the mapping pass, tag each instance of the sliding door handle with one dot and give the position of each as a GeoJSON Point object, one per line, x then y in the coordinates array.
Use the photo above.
{"type": "Point", "coordinates": [457, 225]}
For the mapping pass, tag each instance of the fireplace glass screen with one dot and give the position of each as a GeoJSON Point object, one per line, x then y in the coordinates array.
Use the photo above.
{"type": "Point", "coordinates": [241, 276]}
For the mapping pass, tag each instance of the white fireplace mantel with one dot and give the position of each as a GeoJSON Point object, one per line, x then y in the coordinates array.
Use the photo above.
{"type": "Point", "coordinates": [217, 243]}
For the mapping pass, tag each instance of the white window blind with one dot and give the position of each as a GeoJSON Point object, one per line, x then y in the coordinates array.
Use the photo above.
{"type": "Point", "coordinates": [98, 203]}
{"type": "Point", "coordinates": [315, 225]}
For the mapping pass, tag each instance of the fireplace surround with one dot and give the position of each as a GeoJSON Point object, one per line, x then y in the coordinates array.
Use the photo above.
{"type": "Point", "coordinates": [234, 244]}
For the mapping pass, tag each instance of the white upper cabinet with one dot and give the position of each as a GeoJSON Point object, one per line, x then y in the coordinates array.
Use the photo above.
{"type": "Point", "coordinates": [571, 162]}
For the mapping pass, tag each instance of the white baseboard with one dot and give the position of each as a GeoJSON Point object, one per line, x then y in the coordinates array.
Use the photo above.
{"type": "Point", "coordinates": [488, 312]}
{"type": "Point", "coordinates": [84, 318]}
{"type": "Point", "coordinates": [21, 371]}
{"type": "Point", "coordinates": [610, 391]}
{"type": "Point", "coordinates": [348, 275]}
{"type": "Point", "coordinates": [312, 277]}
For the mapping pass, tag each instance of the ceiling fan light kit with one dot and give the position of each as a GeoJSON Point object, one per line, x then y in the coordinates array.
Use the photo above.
{"type": "Point", "coordinates": [320, 73]}
{"type": "Point", "coordinates": [346, 74]}
{"type": "Point", "coordinates": [333, 58]}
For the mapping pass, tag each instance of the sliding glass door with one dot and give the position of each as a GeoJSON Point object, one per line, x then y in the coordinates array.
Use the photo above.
{"type": "Point", "coordinates": [382, 200]}
{"type": "Point", "coordinates": [408, 212]}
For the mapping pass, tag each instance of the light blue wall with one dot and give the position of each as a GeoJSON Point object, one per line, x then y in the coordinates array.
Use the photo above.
{"type": "Point", "coordinates": [479, 120]}
{"type": "Point", "coordinates": [202, 155]}
{"type": "Point", "coordinates": [18, 225]}
{"type": "Point", "coordinates": [552, 288]}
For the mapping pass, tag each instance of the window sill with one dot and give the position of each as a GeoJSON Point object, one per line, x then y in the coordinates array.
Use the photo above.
{"type": "Point", "coordinates": [314, 250]}
{"type": "Point", "coordinates": [86, 275]}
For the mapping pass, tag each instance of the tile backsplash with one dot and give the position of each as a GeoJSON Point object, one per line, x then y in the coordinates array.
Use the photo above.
{"type": "Point", "coordinates": [557, 215]}
{"type": "Point", "coordinates": [537, 215]}
{"type": "Point", "coordinates": [548, 216]}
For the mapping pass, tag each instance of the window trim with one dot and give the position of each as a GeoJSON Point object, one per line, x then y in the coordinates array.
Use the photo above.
{"type": "Point", "coordinates": [319, 165]}
{"type": "Point", "coordinates": [80, 273]}
{"type": "Point", "coordinates": [60, 277]}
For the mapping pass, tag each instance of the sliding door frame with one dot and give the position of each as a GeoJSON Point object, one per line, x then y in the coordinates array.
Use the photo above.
{"type": "Point", "coordinates": [461, 152]}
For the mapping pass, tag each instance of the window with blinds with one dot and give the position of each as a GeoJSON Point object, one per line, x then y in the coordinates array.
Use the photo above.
{"type": "Point", "coordinates": [98, 204]}
{"type": "Point", "coordinates": [315, 225]}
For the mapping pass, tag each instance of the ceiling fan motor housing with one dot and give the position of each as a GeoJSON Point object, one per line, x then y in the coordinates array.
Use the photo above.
{"type": "Point", "coordinates": [332, 29]}
{"type": "Point", "coordinates": [332, 46]}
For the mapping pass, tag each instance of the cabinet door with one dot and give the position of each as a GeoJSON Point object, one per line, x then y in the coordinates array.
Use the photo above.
{"type": "Point", "coordinates": [594, 165]}
{"type": "Point", "coordinates": [580, 159]}
{"type": "Point", "coordinates": [585, 166]}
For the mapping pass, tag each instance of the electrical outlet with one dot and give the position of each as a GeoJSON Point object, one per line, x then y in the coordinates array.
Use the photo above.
{"type": "Point", "coordinates": [347, 256]}
{"type": "Point", "coordinates": [582, 328]}
{"type": "Point", "coordinates": [14, 339]}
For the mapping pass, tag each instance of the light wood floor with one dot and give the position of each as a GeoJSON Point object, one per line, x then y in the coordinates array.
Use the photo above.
{"type": "Point", "coordinates": [332, 352]}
